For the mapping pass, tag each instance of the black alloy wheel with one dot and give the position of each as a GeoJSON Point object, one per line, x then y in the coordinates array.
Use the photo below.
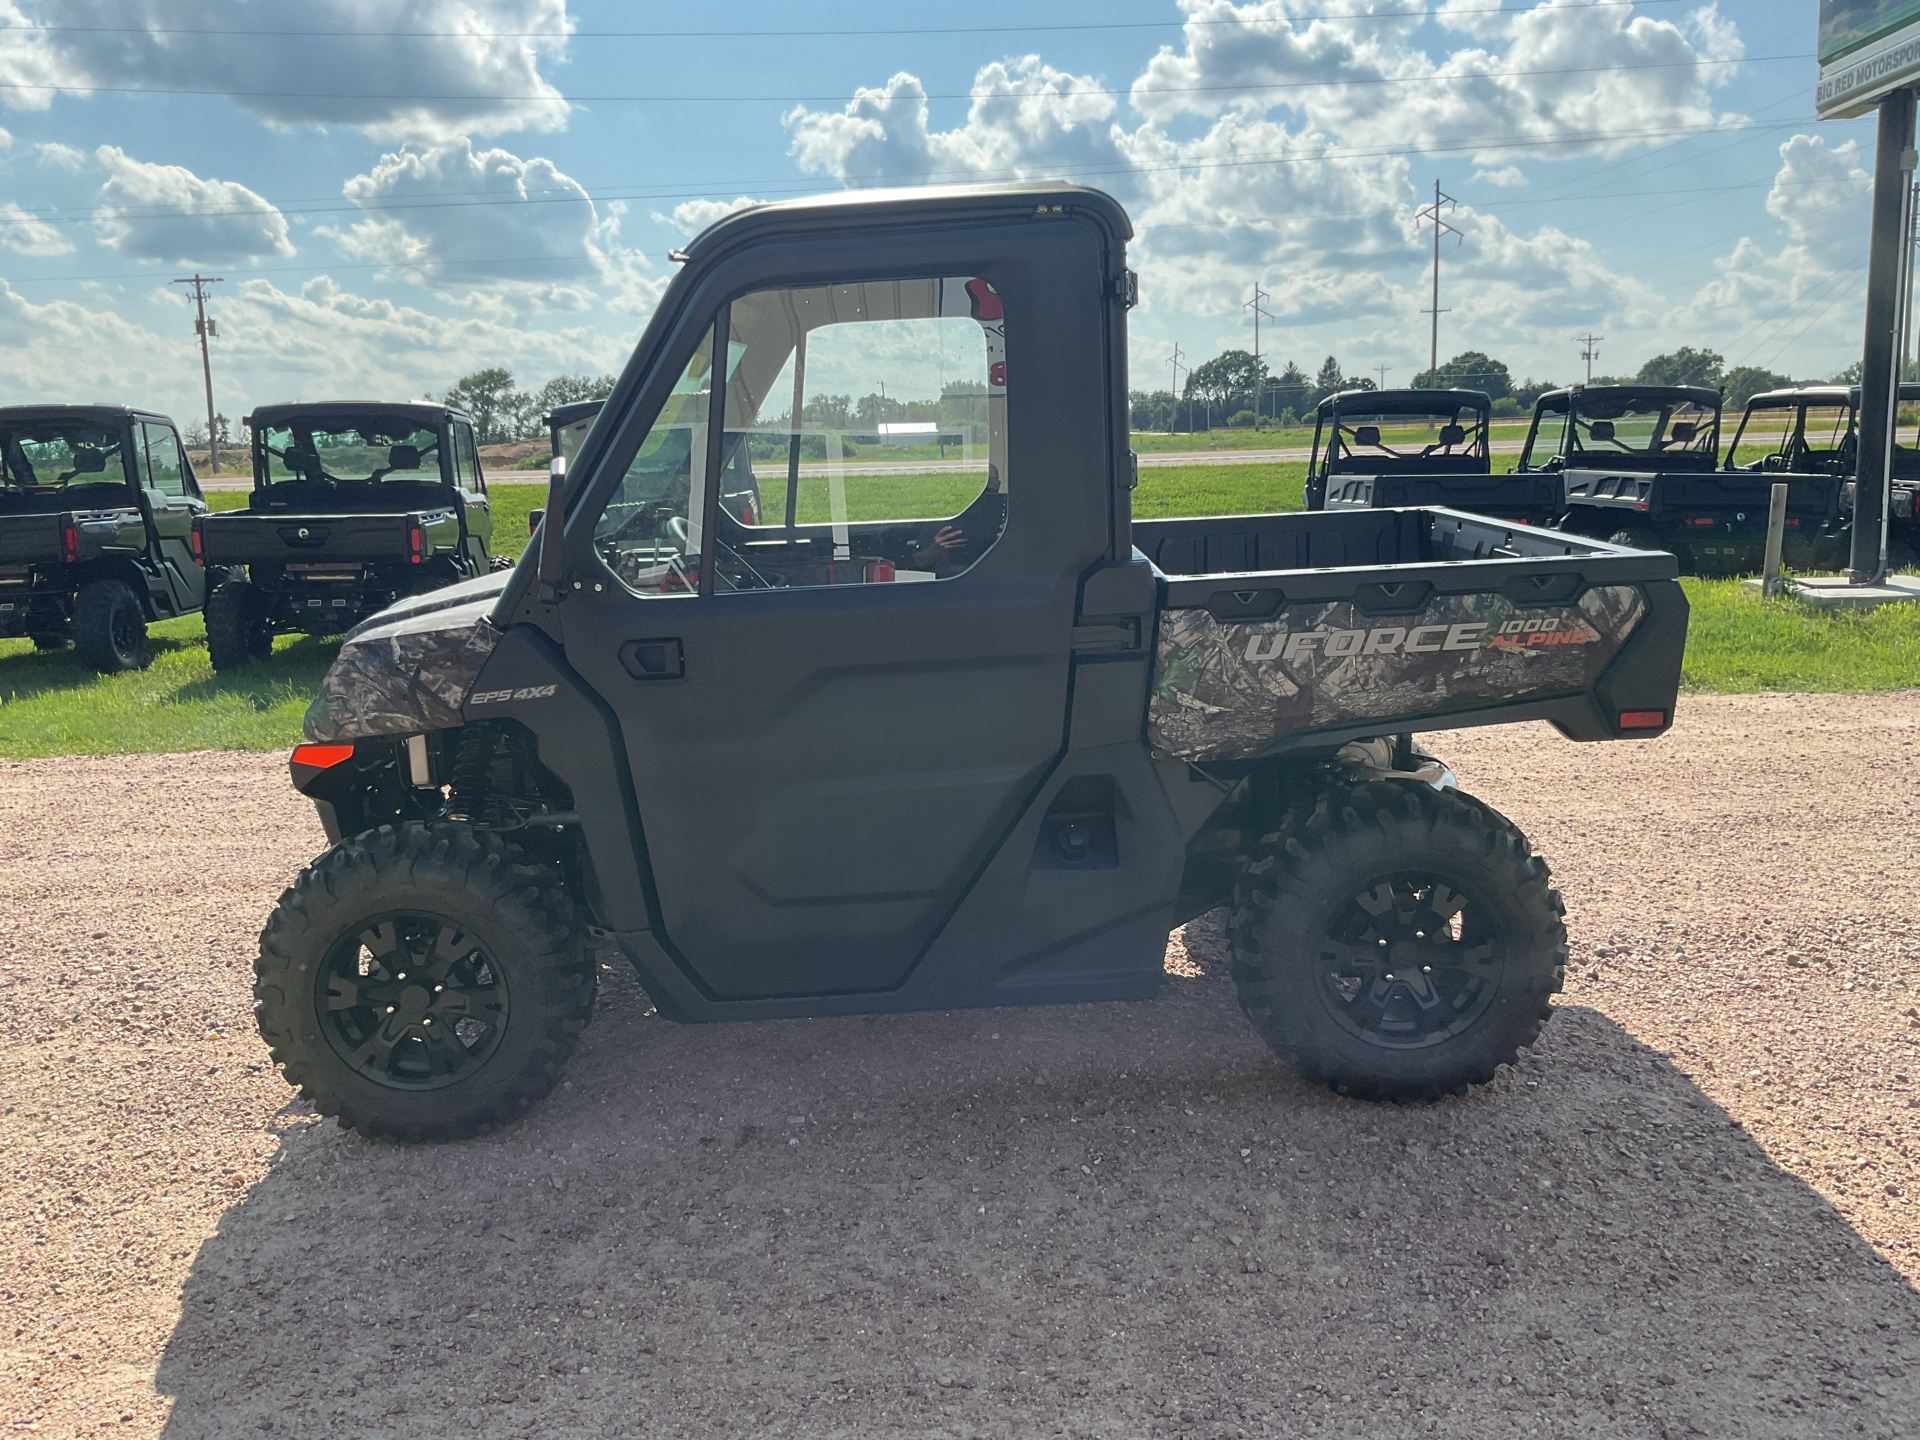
{"type": "Point", "coordinates": [110, 627]}
{"type": "Point", "coordinates": [1408, 961]}
{"type": "Point", "coordinates": [412, 1001]}
{"type": "Point", "coordinates": [1397, 942]}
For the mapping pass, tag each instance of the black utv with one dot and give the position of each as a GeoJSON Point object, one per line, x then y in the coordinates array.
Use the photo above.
{"type": "Point", "coordinates": [968, 737]}
{"type": "Point", "coordinates": [1374, 448]}
{"type": "Point", "coordinates": [567, 427]}
{"type": "Point", "coordinates": [1811, 443]}
{"type": "Point", "coordinates": [1640, 464]}
{"type": "Point", "coordinates": [97, 513]}
{"type": "Point", "coordinates": [354, 506]}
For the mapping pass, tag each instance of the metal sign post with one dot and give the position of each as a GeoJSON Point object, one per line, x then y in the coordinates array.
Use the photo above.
{"type": "Point", "coordinates": [1887, 259]}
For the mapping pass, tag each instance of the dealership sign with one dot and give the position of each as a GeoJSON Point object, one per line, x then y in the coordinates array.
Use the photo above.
{"type": "Point", "coordinates": [1867, 47]}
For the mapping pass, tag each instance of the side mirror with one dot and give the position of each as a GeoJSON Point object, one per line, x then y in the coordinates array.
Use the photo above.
{"type": "Point", "coordinates": [550, 563]}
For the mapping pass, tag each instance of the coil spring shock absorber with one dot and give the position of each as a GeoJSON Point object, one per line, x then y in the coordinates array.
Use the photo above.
{"type": "Point", "coordinates": [467, 793]}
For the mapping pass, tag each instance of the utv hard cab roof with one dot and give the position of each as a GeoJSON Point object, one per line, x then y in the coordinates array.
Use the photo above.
{"type": "Point", "coordinates": [923, 204]}
{"type": "Point", "coordinates": [16, 414]}
{"type": "Point", "coordinates": [562, 416]}
{"type": "Point", "coordinates": [1788, 396]}
{"type": "Point", "coordinates": [1405, 402]}
{"type": "Point", "coordinates": [420, 412]}
{"type": "Point", "coordinates": [1595, 399]}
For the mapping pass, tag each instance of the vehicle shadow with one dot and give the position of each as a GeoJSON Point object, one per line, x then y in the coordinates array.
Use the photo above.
{"type": "Point", "coordinates": [1118, 1220]}
{"type": "Point", "coordinates": [297, 665]}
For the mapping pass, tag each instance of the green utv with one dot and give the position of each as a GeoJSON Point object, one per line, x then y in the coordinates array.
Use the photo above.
{"type": "Point", "coordinates": [354, 505]}
{"type": "Point", "coordinates": [97, 512]}
{"type": "Point", "coordinates": [919, 739]}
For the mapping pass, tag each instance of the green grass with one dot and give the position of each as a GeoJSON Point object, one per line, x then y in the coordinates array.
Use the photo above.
{"type": "Point", "coordinates": [1738, 643]}
{"type": "Point", "coordinates": [1169, 490]}
{"type": "Point", "coordinates": [49, 705]}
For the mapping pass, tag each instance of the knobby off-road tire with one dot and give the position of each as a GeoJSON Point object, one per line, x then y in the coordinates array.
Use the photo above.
{"type": "Point", "coordinates": [110, 628]}
{"type": "Point", "coordinates": [1633, 537]}
{"type": "Point", "coordinates": [423, 982]}
{"type": "Point", "coordinates": [238, 631]}
{"type": "Point", "coordinates": [498, 563]}
{"type": "Point", "coordinates": [1396, 942]}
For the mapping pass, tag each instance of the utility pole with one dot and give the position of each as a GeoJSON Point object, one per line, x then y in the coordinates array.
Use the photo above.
{"type": "Point", "coordinates": [1589, 351]}
{"type": "Point", "coordinates": [203, 327]}
{"type": "Point", "coordinates": [1434, 212]}
{"type": "Point", "coordinates": [1259, 376]}
{"type": "Point", "coordinates": [1174, 360]}
{"type": "Point", "coordinates": [1913, 245]}
{"type": "Point", "coordinates": [1382, 371]}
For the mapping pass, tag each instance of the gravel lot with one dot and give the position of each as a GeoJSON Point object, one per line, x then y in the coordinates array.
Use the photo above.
{"type": "Point", "coordinates": [1691, 1212]}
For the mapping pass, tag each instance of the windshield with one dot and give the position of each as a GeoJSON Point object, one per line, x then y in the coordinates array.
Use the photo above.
{"type": "Point", "coordinates": [341, 450]}
{"type": "Point", "coordinates": [1640, 432]}
{"type": "Point", "coordinates": [59, 464]}
{"type": "Point", "coordinates": [1371, 441]}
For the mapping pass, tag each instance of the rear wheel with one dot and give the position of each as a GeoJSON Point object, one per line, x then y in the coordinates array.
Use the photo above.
{"type": "Point", "coordinates": [497, 563]}
{"type": "Point", "coordinates": [110, 627]}
{"type": "Point", "coordinates": [423, 982]}
{"type": "Point", "coordinates": [1634, 536]}
{"type": "Point", "coordinates": [1397, 942]}
{"type": "Point", "coordinates": [238, 630]}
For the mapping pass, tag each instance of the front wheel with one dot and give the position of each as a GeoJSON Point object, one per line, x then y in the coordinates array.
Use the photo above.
{"type": "Point", "coordinates": [1397, 942]}
{"type": "Point", "coordinates": [423, 982]}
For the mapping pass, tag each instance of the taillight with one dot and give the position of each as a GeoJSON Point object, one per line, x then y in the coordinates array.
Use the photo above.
{"type": "Point", "coordinates": [533, 520]}
{"type": "Point", "coordinates": [195, 544]}
{"type": "Point", "coordinates": [1642, 719]}
{"type": "Point", "coordinates": [321, 757]}
{"type": "Point", "coordinates": [69, 541]}
{"type": "Point", "coordinates": [753, 510]}
{"type": "Point", "coordinates": [415, 543]}
{"type": "Point", "coordinates": [1699, 520]}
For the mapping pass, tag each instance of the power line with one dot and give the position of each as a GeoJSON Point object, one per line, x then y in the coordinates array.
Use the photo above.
{"type": "Point", "coordinates": [1254, 306]}
{"type": "Point", "coordinates": [796, 34]}
{"type": "Point", "coordinates": [458, 199]}
{"type": "Point", "coordinates": [555, 97]}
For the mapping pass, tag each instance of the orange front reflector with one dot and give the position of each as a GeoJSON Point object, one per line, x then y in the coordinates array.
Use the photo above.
{"type": "Point", "coordinates": [1639, 719]}
{"type": "Point", "coordinates": [321, 756]}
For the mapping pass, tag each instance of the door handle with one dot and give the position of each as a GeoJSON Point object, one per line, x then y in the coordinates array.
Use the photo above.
{"type": "Point", "coordinates": [654, 659]}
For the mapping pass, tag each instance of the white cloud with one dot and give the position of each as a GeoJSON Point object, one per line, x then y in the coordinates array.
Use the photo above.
{"type": "Point", "coordinates": [475, 69]}
{"type": "Point", "coordinates": [1559, 71]}
{"type": "Point", "coordinates": [462, 219]}
{"type": "Point", "coordinates": [1785, 308]}
{"type": "Point", "coordinates": [693, 216]}
{"type": "Point", "coordinates": [166, 212]}
{"type": "Point", "coordinates": [6, 139]}
{"type": "Point", "coordinates": [1506, 177]}
{"type": "Point", "coordinates": [62, 157]}
{"type": "Point", "coordinates": [1026, 118]}
{"type": "Point", "coordinates": [24, 234]}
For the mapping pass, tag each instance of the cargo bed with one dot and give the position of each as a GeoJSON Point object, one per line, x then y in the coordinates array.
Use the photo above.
{"type": "Point", "coordinates": [1301, 631]}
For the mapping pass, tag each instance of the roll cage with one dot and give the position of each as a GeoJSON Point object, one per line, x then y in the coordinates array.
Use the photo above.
{"type": "Point", "coordinates": [1584, 423]}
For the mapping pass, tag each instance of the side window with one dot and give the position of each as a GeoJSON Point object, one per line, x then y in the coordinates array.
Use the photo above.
{"type": "Point", "coordinates": [166, 467]}
{"type": "Point", "coordinates": [864, 437]}
{"type": "Point", "coordinates": [649, 533]}
{"type": "Point", "coordinates": [466, 460]}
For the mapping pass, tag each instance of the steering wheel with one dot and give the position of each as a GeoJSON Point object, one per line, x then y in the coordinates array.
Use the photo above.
{"type": "Point", "coordinates": [677, 528]}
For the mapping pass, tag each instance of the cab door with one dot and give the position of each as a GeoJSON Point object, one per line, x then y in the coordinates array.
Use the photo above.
{"type": "Point", "coordinates": [476, 512]}
{"type": "Point", "coordinates": [172, 499]}
{"type": "Point", "coordinates": [833, 717]}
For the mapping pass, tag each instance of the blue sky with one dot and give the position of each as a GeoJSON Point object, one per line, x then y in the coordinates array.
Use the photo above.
{"type": "Point", "coordinates": [426, 187]}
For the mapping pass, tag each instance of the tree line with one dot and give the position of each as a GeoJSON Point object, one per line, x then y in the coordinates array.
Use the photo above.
{"type": "Point", "coordinates": [502, 412]}
{"type": "Point", "coordinates": [1236, 389]}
